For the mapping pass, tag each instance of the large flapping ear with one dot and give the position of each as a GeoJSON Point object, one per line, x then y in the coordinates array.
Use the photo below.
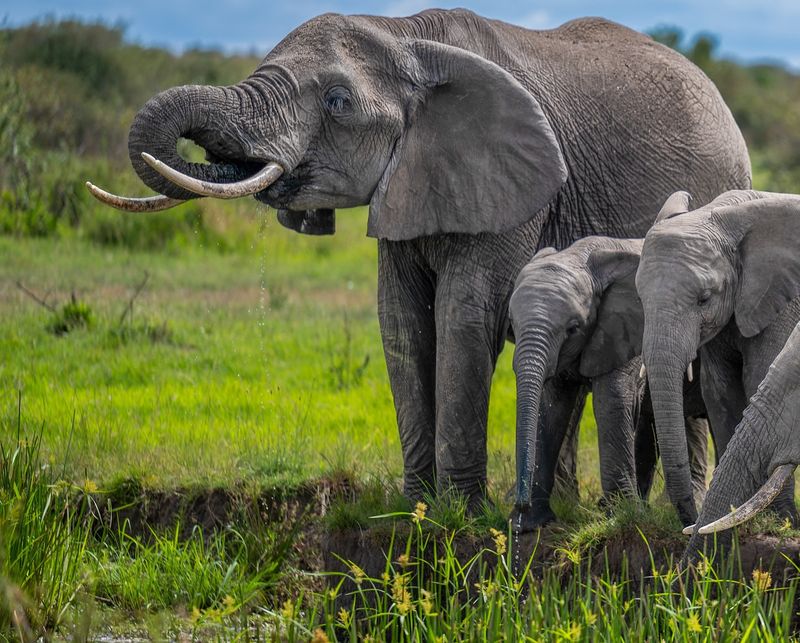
{"type": "Point", "coordinates": [767, 233]}
{"type": "Point", "coordinates": [617, 334]}
{"type": "Point", "coordinates": [478, 154]}
{"type": "Point", "coordinates": [677, 203]}
{"type": "Point", "coordinates": [314, 222]}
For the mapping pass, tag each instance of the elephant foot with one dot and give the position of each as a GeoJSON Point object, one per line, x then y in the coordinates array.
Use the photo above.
{"type": "Point", "coordinates": [526, 519]}
{"type": "Point", "coordinates": [687, 513]}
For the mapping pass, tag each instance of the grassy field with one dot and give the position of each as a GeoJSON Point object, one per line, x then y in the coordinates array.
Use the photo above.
{"type": "Point", "coordinates": [262, 364]}
{"type": "Point", "coordinates": [256, 365]}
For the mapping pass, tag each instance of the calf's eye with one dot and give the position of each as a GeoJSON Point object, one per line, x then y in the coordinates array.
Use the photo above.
{"type": "Point", "coordinates": [704, 297]}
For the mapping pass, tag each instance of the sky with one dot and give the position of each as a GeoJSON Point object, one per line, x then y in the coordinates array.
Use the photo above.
{"type": "Point", "coordinates": [747, 30]}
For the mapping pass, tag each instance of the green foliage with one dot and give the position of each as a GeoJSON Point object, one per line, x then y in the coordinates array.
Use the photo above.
{"type": "Point", "coordinates": [72, 315]}
{"type": "Point", "coordinates": [765, 101]}
{"type": "Point", "coordinates": [167, 571]}
{"type": "Point", "coordinates": [44, 530]}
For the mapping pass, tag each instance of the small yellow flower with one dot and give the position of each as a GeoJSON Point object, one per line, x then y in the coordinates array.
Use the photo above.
{"type": "Point", "coordinates": [333, 593]}
{"type": "Point", "coordinates": [229, 603]}
{"type": "Point", "coordinates": [702, 567]}
{"type": "Point", "coordinates": [401, 594]}
{"type": "Point", "coordinates": [385, 577]}
{"type": "Point", "coordinates": [762, 580]}
{"type": "Point", "coordinates": [419, 512]}
{"type": "Point", "coordinates": [358, 574]}
{"type": "Point", "coordinates": [693, 624]}
{"type": "Point", "coordinates": [319, 636]}
{"type": "Point", "coordinates": [487, 589]}
{"type": "Point", "coordinates": [287, 611]}
{"type": "Point", "coordinates": [591, 618]}
{"type": "Point", "coordinates": [403, 560]}
{"type": "Point", "coordinates": [426, 602]}
{"type": "Point", "coordinates": [195, 616]}
{"type": "Point", "coordinates": [500, 541]}
{"type": "Point", "coordinates": [89, 486]}
{"type": "Point", "coordinates": [574, 632]}
{"type": "Point", "coordinates": [344, 618]}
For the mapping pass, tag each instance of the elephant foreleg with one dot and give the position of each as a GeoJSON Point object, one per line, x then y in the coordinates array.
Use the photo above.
{"type": "Point", "coordinates": [405, 312]}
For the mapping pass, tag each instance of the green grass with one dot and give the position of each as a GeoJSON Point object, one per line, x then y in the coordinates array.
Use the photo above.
{"type": "Point", "coordinates": [262, 364]}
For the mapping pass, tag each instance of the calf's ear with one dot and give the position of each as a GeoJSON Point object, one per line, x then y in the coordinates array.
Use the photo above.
{"type": "Point", "coordinates": [617, 334]}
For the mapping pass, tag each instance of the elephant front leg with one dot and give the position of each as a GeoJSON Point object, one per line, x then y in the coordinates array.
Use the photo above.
{"type": "Point", "coordinates": [405, 313]}
{"type": "Point", "coordinates": [616, 400]}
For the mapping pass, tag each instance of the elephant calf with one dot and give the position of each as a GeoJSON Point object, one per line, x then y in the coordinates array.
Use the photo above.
{"type": "Point", "coordinates": [762, 454]}
{"type": "Point", "coordinates": [576, 317]}
{"type": "Point", "coordinates": [723, 280]}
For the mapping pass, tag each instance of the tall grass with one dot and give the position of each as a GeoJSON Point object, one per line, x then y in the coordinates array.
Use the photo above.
{"type": "Point", "coordinates": [428, 593]}
{"type": "Point", "coordinates": [44, 532]}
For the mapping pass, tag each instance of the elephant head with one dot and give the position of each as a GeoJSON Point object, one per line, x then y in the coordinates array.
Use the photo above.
{"type": "Point", "coordinates": [574, 310]}
{"type": "Point", "coordinates": [349, 111]}
{"type": "Point", "coordinates": [731, 259]}
{"type": "Point", "coordinates": [761, 456]}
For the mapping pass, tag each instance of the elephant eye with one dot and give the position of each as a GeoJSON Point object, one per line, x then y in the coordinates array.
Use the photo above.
{"type": "Point", "coordinates": [704, 297]}
{"type": "Point", "coordinates": [338, 101]}
{"type": "Point", "coordinates": [573, 327]}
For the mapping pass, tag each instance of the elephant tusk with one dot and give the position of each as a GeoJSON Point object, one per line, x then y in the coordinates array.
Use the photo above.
{"type": "Point", "coordinates": [130, 204]}
{"type": "Point", "coordinates": [688, 531]}
{"type": "Point", "coordinates": [765, 495]}
{"type": "Point", "coordinates": [261, 180]}
{"type": "Point", "coordinates": [690, 373]}
{"type": "Point", "coordinates": [642, 372]}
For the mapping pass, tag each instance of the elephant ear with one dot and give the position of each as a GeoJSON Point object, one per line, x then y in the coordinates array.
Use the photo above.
{"type": "Point", "coordinates": [315, 222]}
{"type": "Point", "coordinates": [617, 335]}
{"type": "Point", "coordinates": [769, 254]}
{"type": "Point", "coordinates": [478, 153]}
{"type": "Point", "coordinates": [677, 203]}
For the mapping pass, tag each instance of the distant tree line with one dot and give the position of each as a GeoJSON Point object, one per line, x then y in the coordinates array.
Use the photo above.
{"type": "Point", "coordinates": [69, 90]}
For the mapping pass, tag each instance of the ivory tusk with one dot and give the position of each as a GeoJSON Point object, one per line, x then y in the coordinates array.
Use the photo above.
{"type": "Point", "coordinates": [251, 185]}
{"type": "Point", "coordinates": [688, 531]}
{"type": "Point", "coordinates": [760, 501]}
{"type": "Point", "coordinates": [642, 372]}
{"type": "Point", "coordinates": [133, 204]}
{"type": "Point", "coordinates": [690, 373]}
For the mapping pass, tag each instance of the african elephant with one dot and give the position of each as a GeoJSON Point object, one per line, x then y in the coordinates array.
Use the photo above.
{"type": "Point", "coordinates": [474, 143]}
{"type": "Point", "coordinates": [576, 317]}
{"type": "Point", "coordinates": [762, 454]}
{"type": "Point", "coordinates": [723, 280]}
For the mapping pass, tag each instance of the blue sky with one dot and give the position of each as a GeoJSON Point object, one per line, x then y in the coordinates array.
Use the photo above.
{"type": "Point", "coordinates": [748, 30]}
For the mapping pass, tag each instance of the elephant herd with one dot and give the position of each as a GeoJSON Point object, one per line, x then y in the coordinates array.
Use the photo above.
{"type": "Point", "coordinates": [477, 145]}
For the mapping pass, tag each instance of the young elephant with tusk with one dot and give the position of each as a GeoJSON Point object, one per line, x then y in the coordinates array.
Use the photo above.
{"type": "Point", "coordinates": [577, 321]}
{"type": "Point", "coordinates": [762, 455]}
{"type": "Point", "coordinates": [723, 280]}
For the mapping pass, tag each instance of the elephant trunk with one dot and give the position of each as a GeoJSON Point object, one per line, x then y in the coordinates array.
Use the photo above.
{"type": "Point", "coordinates": [199, 113]}
{"type": "Point", "coordinates": [531, 363]}
{"type": "Point", "coordinates": [666, 363]}
{"type": "Point", "coordinates": [742, 470]}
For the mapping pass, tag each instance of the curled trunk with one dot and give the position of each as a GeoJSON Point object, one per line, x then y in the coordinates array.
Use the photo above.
{"type": "Point", "coordinates": [199, 113]}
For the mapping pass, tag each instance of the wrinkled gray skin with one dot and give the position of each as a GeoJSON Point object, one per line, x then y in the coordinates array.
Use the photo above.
{"type": "Point", "coordinates": [576, 317]}
{"type": "Point", "coordinates": [767, 437]}
{"type": "Point", "coordinates": [723, 280]}
{"type": "Point", "coordinates": [474, 142]}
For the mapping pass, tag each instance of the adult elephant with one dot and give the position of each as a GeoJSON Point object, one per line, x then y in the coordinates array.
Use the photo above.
{"type": "Point", "coordinates": [474, 142]}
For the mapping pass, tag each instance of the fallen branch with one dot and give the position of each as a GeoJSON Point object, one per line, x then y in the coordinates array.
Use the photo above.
{"type": "Point", "coordinates": [36, 298]}
{"type": "Point", "coordinates": [128, 310]}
